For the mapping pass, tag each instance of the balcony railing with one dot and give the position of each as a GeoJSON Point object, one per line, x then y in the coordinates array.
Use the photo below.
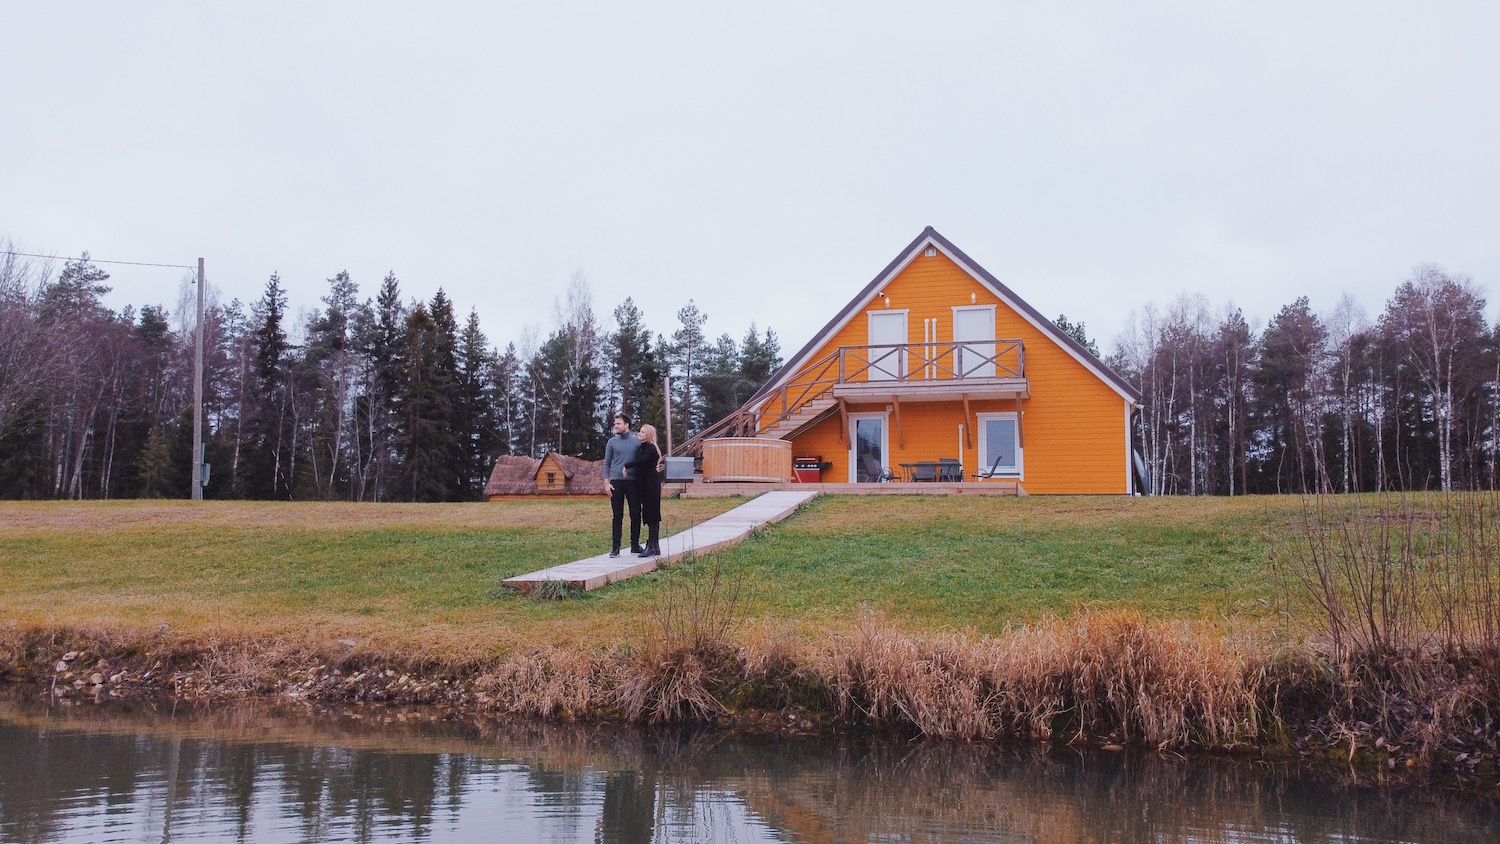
{"type": "Point", "coordinates": [978, 362]}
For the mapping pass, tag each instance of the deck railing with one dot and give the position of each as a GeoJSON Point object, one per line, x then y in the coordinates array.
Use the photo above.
{"type": "Point", "coordinates": [901, 363]}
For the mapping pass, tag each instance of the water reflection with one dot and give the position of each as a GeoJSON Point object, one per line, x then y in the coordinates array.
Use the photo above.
{"type": "Point", "coordinates": [257, 774]}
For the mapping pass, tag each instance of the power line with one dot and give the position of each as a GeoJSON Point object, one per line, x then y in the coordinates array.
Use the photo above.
{"type": "Point", "coordinates": [93, 260]}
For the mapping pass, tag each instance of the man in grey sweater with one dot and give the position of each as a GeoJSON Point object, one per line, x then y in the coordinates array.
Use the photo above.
{"type": "Point", "coordinates": [619, 451]}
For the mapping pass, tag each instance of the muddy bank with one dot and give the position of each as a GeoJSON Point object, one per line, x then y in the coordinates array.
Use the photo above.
{"type": "Point", "coordinates": [1103, 679]}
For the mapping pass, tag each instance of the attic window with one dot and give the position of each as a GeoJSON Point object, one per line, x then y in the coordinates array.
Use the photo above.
{"type": "Point", "coordinates": [551, 479]}
{"type": "Point", "coordinates": [931, 252]}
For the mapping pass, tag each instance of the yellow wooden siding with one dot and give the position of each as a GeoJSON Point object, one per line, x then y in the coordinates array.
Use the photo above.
{"type": "Point", "coordinates": [1073, 426]}
{"type": "Point", "coordinates": [550, 476]}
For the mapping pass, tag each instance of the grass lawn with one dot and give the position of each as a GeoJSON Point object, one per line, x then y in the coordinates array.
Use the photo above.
{"type": "Point", "coordinates": [426, 576]}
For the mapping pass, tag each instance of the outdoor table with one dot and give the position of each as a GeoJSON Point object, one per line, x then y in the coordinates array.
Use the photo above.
{"type": "Point", "coordinates": [922, 471]}
{"type": "Point", "coordinates": [932, 471]}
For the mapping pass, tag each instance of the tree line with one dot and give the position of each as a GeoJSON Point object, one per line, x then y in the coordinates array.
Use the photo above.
{"type": "Point", "coordinates": [386, 398]}
{"type": "Point", "coordinates": [381, 398]}
{"type": "Point", "coordinates": [1310, 403]}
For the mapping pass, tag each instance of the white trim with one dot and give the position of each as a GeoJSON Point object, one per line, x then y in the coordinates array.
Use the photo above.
{"type": "Point", "coordinates": [982, 458]}
{"type": "Point", "coordinates": [1021, 312]}
{"type": "Point", "coordinates": [885, 441]}
{"type": "Point", "coordinates": [1129, 454]}
{"type": "Point", "coordinates": [794, 367]}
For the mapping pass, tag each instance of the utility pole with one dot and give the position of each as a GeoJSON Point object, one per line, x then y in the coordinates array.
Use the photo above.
{"type": "Point", "coordinates": [198, 393]}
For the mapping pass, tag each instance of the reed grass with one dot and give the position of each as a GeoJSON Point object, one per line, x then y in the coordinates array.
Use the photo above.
{"type": "Point", "coordinates": [1159, 623]}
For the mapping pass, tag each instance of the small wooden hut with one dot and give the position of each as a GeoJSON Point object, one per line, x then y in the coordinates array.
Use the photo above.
{"type": "Point", "coordinates": [552, 475]}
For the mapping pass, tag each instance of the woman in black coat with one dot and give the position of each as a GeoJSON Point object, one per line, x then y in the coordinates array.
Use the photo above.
{"type": "Point", "coordinates": [644, 469]}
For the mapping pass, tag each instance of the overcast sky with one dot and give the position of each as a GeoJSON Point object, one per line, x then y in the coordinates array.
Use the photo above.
{"type": "Point", "coordinates": [766, 160]}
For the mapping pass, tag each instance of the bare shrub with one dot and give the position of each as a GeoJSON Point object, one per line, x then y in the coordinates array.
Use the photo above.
{"type": "Point", "coordinates": [1407, 601]}
{"type": "Point", "coordinates": [699, 605]}
{"type": "Point", "coordinates": [1363, 569]}
{"type": "Point", "coordinates": [681, 671]}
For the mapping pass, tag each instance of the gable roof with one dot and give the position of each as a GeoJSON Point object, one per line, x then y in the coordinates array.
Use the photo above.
{"type": "Point", "coordinates": [930, 237]}
{"type": "Point", "coordinates": [515, 474]}
{"type": "Point", "coordinates": [583, 475]}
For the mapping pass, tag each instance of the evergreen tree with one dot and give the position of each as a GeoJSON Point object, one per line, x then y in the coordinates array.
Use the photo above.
{"type": "Point", "coordinates": [631, 362]}
{"type": "Point", "coordinates": [265, 464]}
{"type": "Point", "coordinates": [425, 440]}
{"type": "Point", "coordinates": [760, 358]}
{"type": "Point", "coordinates": [719, 386]}
{"type": "Point", "coordinates": [331, 370]}
{"type": "Point", "coordinates": [1288, 394]}
{"type": "Point", "coordinates": [445, 337]}
{"type": "Point", "coordinates": [473, 417]}
{"type": "Point", "coordinates": [687, 354]}
{"type": "Point", "coordinates": [1077, 332]}
{"type": "Point", "coordinates": [380, 335]}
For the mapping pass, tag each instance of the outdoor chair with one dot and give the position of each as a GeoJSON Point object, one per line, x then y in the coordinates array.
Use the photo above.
{"type": "Point", "coordinates": [874, 471]}
{"type": "Point", "coordinates": [949, 470]}
{"type": "Point", "coordinates": [993, 472]}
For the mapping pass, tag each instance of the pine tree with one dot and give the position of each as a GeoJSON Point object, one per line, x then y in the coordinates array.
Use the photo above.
{"type": "Point", "coordinates": [266, 462]}
{"type": "Point", "coordinates": [473, 417]}
{"type": "Point", "coordinates": [687, 354]}
{"type": "Point", "coordinates": [425, 439]}
{"type": "Point", "coordinates": [1077, 332]}
{"type": "Point", "coordinates": [631, 364]}
{"type": "Point", "coordinates": [718, 384]}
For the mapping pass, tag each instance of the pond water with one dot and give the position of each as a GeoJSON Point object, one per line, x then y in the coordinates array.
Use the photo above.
{"type": "Point", "coordinates": [143, 772]}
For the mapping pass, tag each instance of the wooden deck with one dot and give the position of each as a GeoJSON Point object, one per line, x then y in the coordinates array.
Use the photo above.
{"type": "Point", "coordinates": [721, 531]}
{"type": "Point", "coordinates": [723, 490]}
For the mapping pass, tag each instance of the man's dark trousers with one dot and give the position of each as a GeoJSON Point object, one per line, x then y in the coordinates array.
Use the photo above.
{"type": "Point", "coordinates": [621, 492]}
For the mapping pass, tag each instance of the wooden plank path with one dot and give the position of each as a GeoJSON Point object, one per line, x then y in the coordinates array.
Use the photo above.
{"type": "Point", "coordinates": [721, 531]}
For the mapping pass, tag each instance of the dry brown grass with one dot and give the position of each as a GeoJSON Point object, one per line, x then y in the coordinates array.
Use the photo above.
{"type": "Point", "coordinates": [1109, 675]}
{"type": "Point", "coordinates": [547, 682]}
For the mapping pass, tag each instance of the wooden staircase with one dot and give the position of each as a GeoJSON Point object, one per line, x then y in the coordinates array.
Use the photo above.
{"type": "Point", "coordinates": [807, 415]}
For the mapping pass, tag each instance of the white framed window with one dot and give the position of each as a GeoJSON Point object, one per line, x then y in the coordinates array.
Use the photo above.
{"type": "Point", "coordinates": [999, 445]}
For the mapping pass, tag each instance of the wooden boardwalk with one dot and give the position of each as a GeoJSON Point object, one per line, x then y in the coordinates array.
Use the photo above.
{"type": "Point", "coordinates": [719, 532]}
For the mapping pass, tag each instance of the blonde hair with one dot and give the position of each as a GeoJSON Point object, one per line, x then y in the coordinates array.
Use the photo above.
{"type": "Point", "coordinates": [648, 434]}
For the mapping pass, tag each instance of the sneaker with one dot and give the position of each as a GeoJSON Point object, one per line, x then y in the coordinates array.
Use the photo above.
{"type": "Point", "coordinates": [614, 552]}
{"type": "Point", "coordinates": [636, 549]}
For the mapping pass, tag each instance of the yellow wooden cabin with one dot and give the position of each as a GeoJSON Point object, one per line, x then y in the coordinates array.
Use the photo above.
{"type": "Point", "coordinates": [936, 371]}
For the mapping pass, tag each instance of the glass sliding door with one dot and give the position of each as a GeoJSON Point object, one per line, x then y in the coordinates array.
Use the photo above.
{"type": "Point", "coordinates": [867, 460]}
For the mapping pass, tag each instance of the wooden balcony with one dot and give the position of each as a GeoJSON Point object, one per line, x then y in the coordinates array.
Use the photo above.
{"type": "Point", "coordinates": [905, 372]}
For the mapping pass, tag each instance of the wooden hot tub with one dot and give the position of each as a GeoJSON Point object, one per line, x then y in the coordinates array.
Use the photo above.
{"type": "Point", "coordinates": [747, 459]}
